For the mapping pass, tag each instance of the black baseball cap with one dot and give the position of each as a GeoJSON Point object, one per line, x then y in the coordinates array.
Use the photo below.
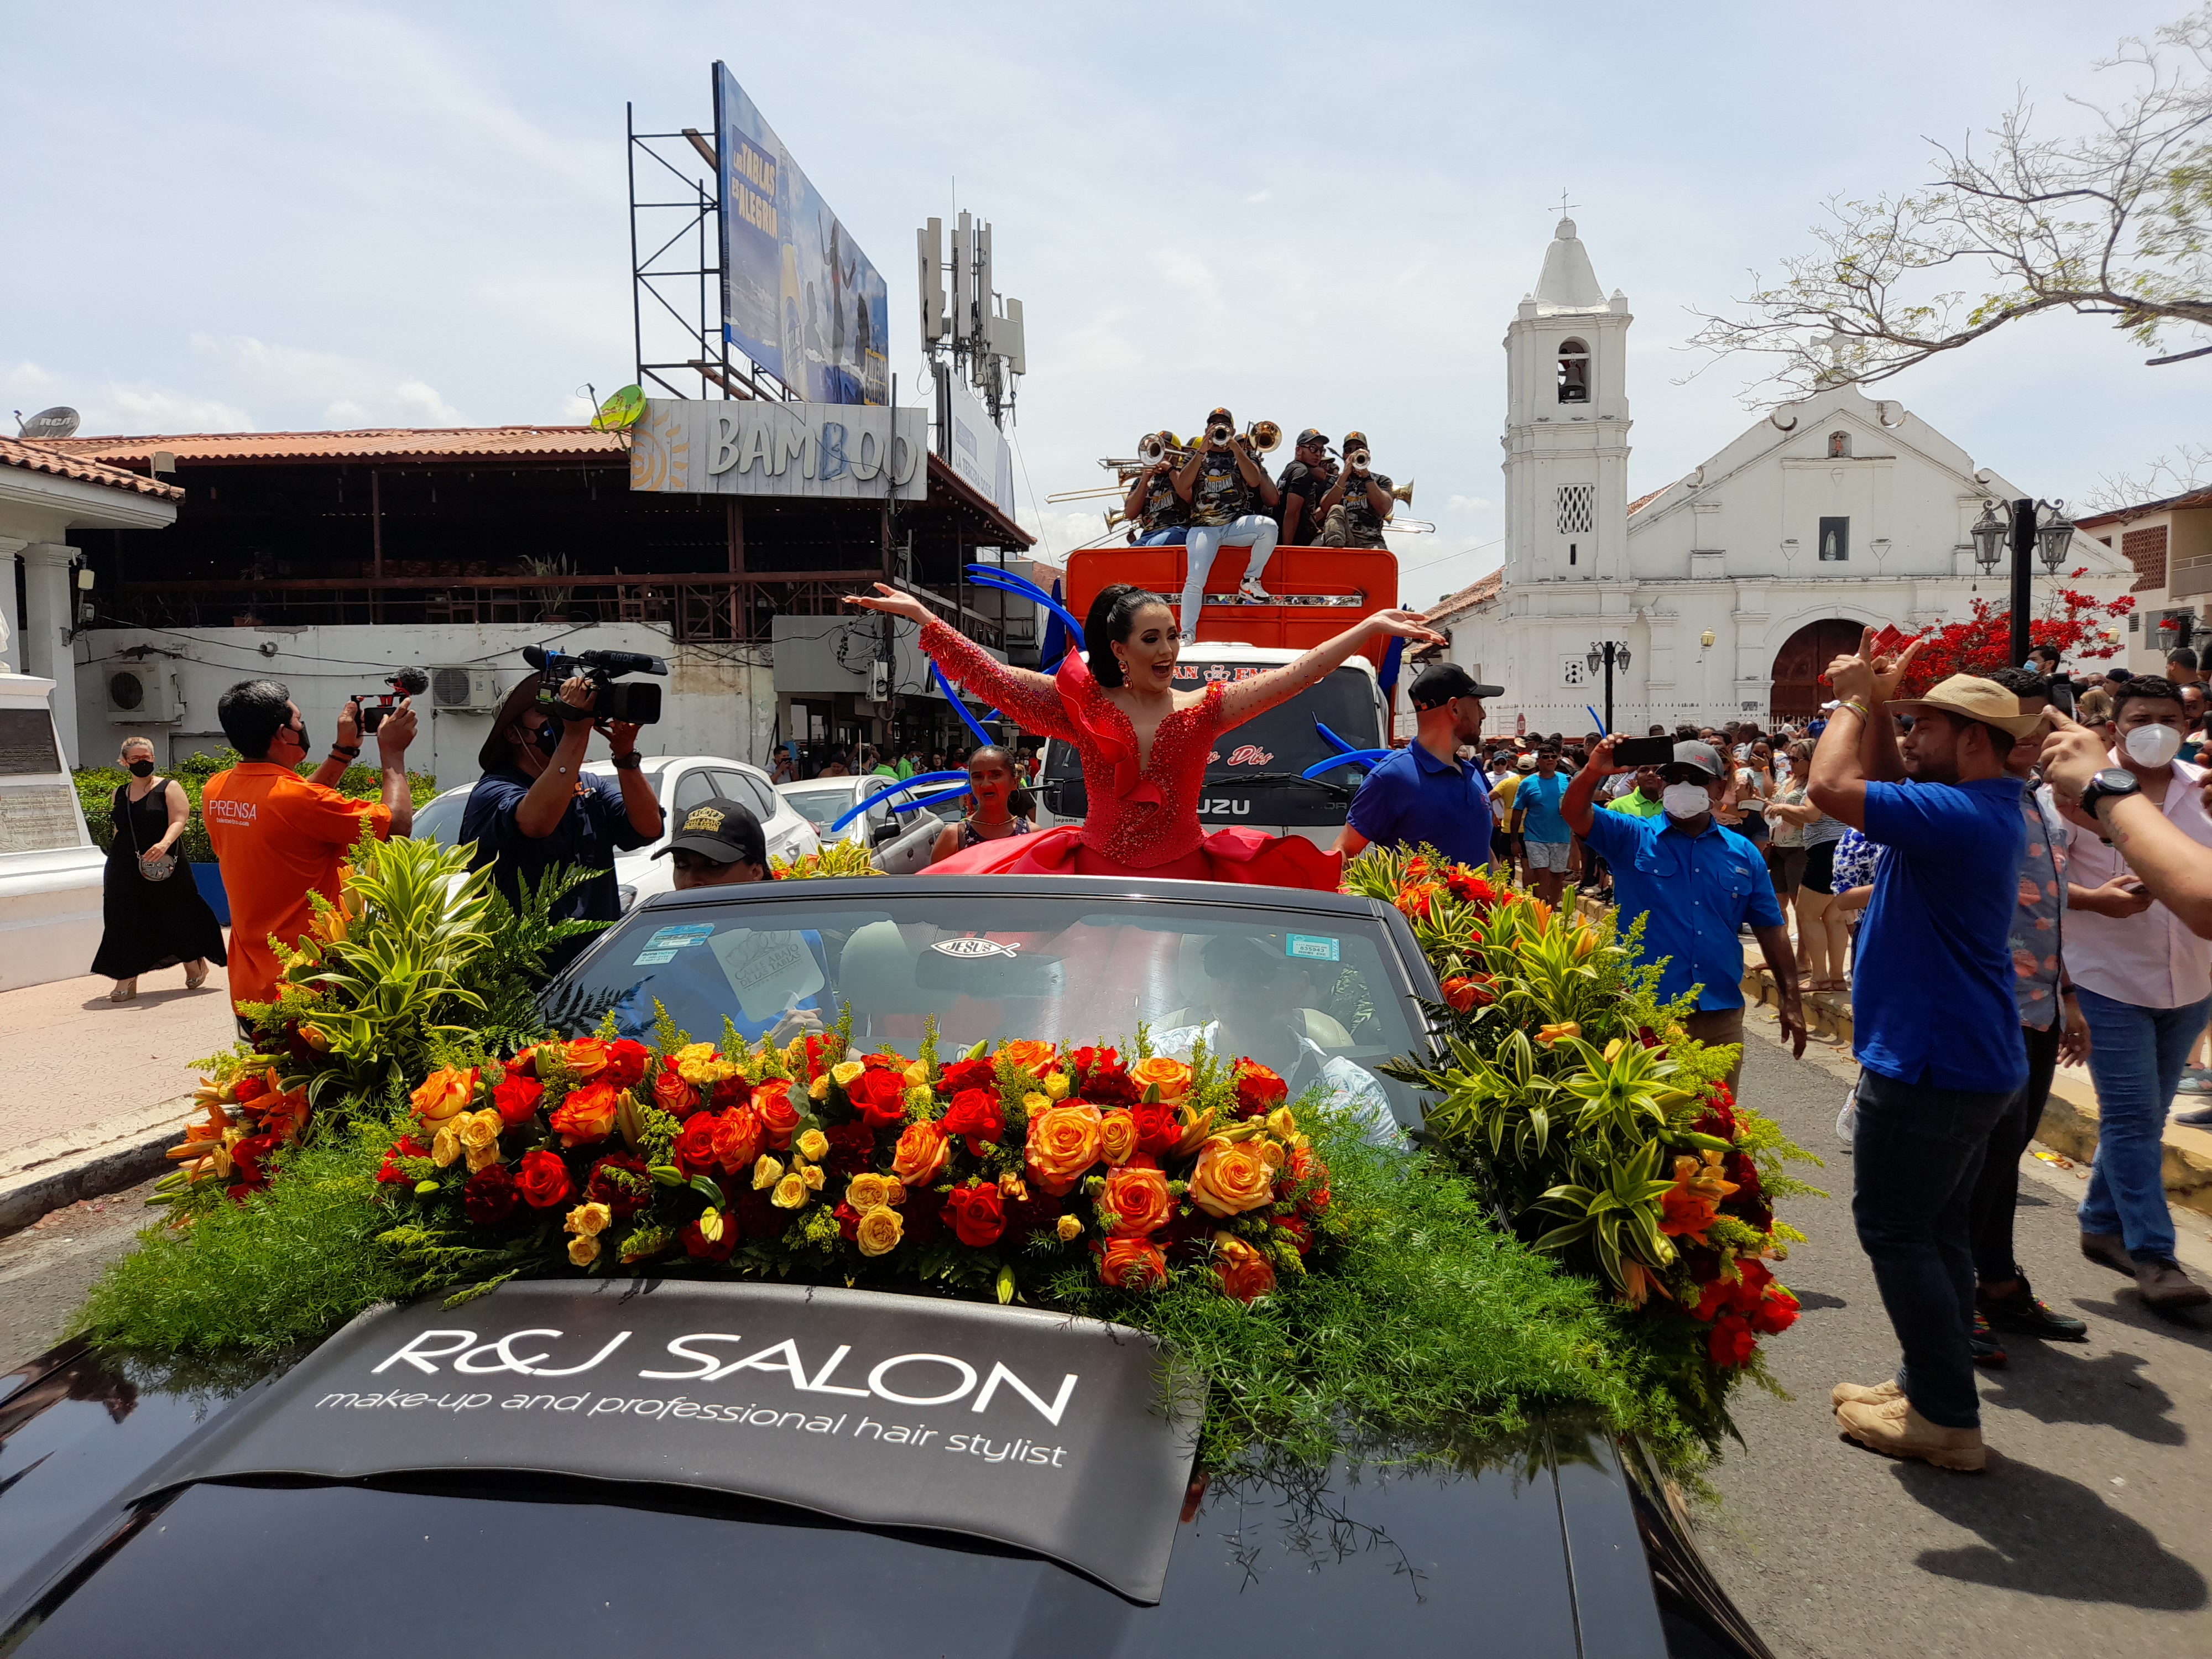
{"type": "Point", "coordinates": [1308, 436]}
{"type": "Point", "coordinates": [722, 829]}
{"type": "Point", "coordinates": [1440, 682]}
{"type": "Point", "coordinates": [1221, 414]}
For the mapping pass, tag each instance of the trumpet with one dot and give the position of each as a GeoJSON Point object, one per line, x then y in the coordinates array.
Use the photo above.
{"type": "Point", "coordinates": [1356, 463]}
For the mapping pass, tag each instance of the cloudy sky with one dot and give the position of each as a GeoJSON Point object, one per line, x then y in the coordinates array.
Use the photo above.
{"type": "Point", "coordinates": [233, 215]}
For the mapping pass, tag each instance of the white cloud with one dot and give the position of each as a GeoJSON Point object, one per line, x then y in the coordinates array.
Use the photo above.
{"type": "Point", "coordinates": [1469, 504]}
{"type": "Point", "coordinates": [344, 392]}
{"type": "Point", "coordinates": [1179, 268]}
{"type": "Point", "coordinates": [26, 376]}
{"type": "Point", "coordinates": [137, 410]}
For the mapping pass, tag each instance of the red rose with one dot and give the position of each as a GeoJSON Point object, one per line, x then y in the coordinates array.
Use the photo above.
{"type": "Point", "coordinates": [626, 1063]}
{"type": "Point", "coordinates": [1777, 1312]}
{"type": "Point", "coordinates": [814, 1048]}
{"type": "Point", "coordinates": [849, 1222]}
{"type": "Point", "coordinates": [673, 1095]}
{"type": "Point", "coordinates": [695, 1145]}
{"type": "Point", "coordinates": [1469, 888]}
{"type": "Point", "coordinates": [977, 1114]}
{"type": "Point", "coordinates": [1259, 1091]}
{"type": "Point", "coordinates": [712, 1249]}
{"type": "Point", "coordinates": [1111, 1085]}
{"type": "Point", "coordinates": [977, 1215]}
{"type": "Point", "coordinates": [1158, 1128]}
{"type": "Point", "coordinates": [968, 1074]}
{"type": "Point", "coordinates": [1086, 1061]}
{"type": "Point", "coordinates": [1730, 1341]}
{"type": "Point", "coordinates": [403, 1147]}
{"type": "Point", "coordinates": [879, 1098]}
{"type": "Point", "coordinates": [587, 1115]}
{"type": "Point", "coordinates": [772, 1100]}
{"type": "Point", "coordinates": [542, 1179]}
{"type": "Point", "coordinates": [517, 1098]}
{"type": "Point", "coordinates": [621, 1182]}
{"type": "Point", "coordinates": [489, 1196]}
{"type": "Point", "coordinates": [1130, 1264]}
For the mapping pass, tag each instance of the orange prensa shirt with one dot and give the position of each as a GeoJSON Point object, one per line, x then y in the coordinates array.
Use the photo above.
{"type": "Point", "coordinates": [278, 837]}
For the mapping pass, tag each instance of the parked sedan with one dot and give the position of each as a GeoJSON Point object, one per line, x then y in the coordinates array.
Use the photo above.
{"type": "Point", "coordinates": [899, 839]}
{"type": "Point", "coordinates": [680, 781]}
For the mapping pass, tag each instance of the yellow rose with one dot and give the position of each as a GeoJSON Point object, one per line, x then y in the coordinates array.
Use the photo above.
{"type": "Point", "coordinates": [1063, 1144]}
{"type": "Point", "coordinates": [894, 1191]}
{"type": "Point", "coordinates": [480, 1129]}
{"type": "Point", "coordinates": [1283, 1124]}
{"type": "Point", "coordinates": [1272, 1153]}
{"type": "Point", "coordinates": [819, 1089]}
{"type": "Point", "coordinates": [813, 1146]}
{"type": "Point", "coordinates": [588, 1219]}
{"type": "Point", "coordinates": [790, 1193]}
{"type": "Point", "coordinates": [1010, 1186]}
{"type": "Point", "coordinates": [1068, 1228]}
{"type": "Point", "coordinates": [916, 1074]}
{"type": "Point", "coordinates": [845, 1071]}
{"type": "Point", "coordinates": [880, 1230]}
{"type": "Point", "coordinates": [1231, 1177]}
{"type": "Point", "coordinates": [813, 1175]}
{"type": "Point", "coordinates": [1034, 1103]}
{"type": "Point", "coordinates": [444, 1092]}
{"type": "Point", "coordinates": [1056, 1086]}
{"type": "Point", "coordinates": [1117, 1136]}
{"type": "Point", "coordinates": [445, 1145]}
{"type": "Point", "coordinates": [866, 1192]}
{"type": "Point", "coordinates": [483, 1158]}
{"type": "Point", "coordinates": [583, 1250]}
{"type": "Point", "coordinates": [766, 1173]}
{"type": "Point", "coordinates": [1171, 1076]}
{"type": "Point", "coordinates": [698, 1064]}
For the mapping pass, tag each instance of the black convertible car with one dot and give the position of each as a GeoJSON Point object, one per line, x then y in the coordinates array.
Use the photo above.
{"type": "Point", "coordinates": [631, 1467]}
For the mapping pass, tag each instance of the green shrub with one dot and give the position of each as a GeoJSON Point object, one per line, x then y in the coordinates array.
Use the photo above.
{"type": "Point", "coordinates": [96, 786]}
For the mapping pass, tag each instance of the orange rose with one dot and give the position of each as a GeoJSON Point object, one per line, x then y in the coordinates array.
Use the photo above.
{"type": "Point", "coordinates": [1117, 1135]}
{"type": "Point", "coordinates": [1139, 1200]}
{"type": "Point", "coordinates": [1029, 1054]}
{"type": "Point", "coordinates": [1132, 1264]}
{"type": "Point", "coordinates": [587, 1115]}
{"type": "Point", "coordinates": [673, 1095]}
{"type": "Point", "coordinates": [919, 1158]}
{"type": "Point", "coordinates": [1171, 1076]}
{"type": "Point", "coordinates": [447, 1090]}
{"type": "Point", "coordinates": [586, 1058]}
{"type": "Point", "coordinates": [1230, 1178]}
{"type": "Point", "coordinates": [772, 1100]}
{"type": "Point", "coordinates": [1243, 1272]}
{"type": "Point", "coordinates": [1063, 1144]}
{"type": "Point", "coordinates": [738, 1137]}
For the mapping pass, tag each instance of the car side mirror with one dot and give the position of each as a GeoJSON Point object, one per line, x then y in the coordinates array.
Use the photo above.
{"type": "Point", "coordinates": [888, 831]}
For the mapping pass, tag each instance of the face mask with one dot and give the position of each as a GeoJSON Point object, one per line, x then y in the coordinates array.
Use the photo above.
{"type": "Point", "coordinates": [1685, 800]}
{"type": "Point", "coordinates": [2152, 745]}
{"type": "Point", "coordinates": [141, 769]}
{"type": "Point", "coordinates": [548, 740]}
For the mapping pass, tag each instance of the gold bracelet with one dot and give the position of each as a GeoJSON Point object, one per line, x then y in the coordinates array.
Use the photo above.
{"type": "Point", "coordinates": [1860, 709]}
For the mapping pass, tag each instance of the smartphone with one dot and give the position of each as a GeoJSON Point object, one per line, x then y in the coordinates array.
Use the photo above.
{"type": "Point", "coordinates": [1644, 752]}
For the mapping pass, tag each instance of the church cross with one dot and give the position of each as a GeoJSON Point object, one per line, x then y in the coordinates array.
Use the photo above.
{"type": "Point", "coordinates": [1565, 206]}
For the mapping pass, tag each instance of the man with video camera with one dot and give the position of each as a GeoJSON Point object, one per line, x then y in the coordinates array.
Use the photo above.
{"type": "Point", "coordinates": [535, 808]}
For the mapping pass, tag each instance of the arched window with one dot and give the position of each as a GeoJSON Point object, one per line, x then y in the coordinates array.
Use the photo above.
{"type": "Point", "coordinates": [1574, 372]}
{"type": "Point", "coordinates": [1840, 446]}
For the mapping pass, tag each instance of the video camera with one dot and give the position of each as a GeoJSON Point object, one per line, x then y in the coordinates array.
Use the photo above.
{"type": "Point", "coordinates": [375, 705]}
{"type": "Point", "coordinates": [628, 700]}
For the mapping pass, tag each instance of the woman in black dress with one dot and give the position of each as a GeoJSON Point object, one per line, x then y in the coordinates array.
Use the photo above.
{"type": "Point", "coordinates": [151, 924]}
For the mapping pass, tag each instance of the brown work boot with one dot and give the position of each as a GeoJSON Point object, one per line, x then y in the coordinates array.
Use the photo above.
{"type": "Point", "coordinates": [1880, 1393]}
{"type": "Point", "coordinates": [2163, 1285]}
{"type": "Point", "coordinates": [2109, 1250]}
{"type": "Point", "coordinates": [1895, 1430]}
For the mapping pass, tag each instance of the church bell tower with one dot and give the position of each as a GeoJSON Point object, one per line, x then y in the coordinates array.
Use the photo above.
{"type": "Point", "coordinates": [1566, 425]}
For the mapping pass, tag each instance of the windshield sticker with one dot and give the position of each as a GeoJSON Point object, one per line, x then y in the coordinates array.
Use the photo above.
{"type": "Point", "coordinates": [681, 938]}
{"type": "Point", "coordinates": [652, 958]}
{"type": "Point", "coordinates": [1310, 947]}
{"type": "Point", "coordinates": [770, 973]}
{"type": "Point", "coordinates": [974, 947]}
{"type": "Point", "coordinates": [1040, 1430]}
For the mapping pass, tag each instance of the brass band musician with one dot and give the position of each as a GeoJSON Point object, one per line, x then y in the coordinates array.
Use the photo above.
{"type": "Point", "coordinates": [1355, 507]}
{"type": "Point", "coordinates": [1162, 516]}
{"type": "Point", "coordinates": [1225, 486]}
{"type": "Point", "coordinates": [1304, 483]}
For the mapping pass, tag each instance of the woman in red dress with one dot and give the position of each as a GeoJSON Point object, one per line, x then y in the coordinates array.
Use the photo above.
{"type": "Point", "coordinates": [1144, 745]}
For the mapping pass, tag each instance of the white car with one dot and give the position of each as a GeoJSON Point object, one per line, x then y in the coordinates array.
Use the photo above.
{"type": "Point", "coordinates": [680, 781]}
{"type": "Point", "coordinates": [899, 841]}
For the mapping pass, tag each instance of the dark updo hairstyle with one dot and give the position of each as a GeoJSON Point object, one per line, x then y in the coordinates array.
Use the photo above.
{"type": "Point", "coordinates": [1113, 618]}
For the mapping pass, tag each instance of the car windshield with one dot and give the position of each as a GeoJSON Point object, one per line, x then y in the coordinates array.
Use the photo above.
{"type": "Point", "coordinates": [439, 820]}
{"type": "Point", "coordinates": [1319, 995]}
{"type": "Point", "coordinates": [820, 807]}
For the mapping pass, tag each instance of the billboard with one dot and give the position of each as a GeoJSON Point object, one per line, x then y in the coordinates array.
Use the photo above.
{"type": "Point", "coordinates": [973, 447]}
{"type": "Point", "coordinates": [750, 446]}
{"type": "Point", "coordinates": [798, 297]}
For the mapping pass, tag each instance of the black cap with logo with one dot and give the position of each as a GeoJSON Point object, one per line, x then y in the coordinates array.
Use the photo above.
{"type": "Point", "coordinates": [722, 829]}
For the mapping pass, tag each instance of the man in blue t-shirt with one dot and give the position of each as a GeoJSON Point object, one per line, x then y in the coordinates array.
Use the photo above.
{"type": "Point", "coordinates": [1545, 841]}
{"type": "Point", "coordinates": [1937, 1028]}
{"type": "Point", "coordinates": [1694, 884]}
{"type": "Point", "coordinates": [1425, 792]}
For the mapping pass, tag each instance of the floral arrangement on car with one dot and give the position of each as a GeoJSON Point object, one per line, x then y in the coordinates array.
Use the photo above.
{"type": "Point", "coordinates": [1600, 1126]}
{"type": "Point", "coordinates": [837, 857]}
{"type": "Point", "coordinates": [994, 1174]}
{"type": "Point", "coordinates": [250, 1112]}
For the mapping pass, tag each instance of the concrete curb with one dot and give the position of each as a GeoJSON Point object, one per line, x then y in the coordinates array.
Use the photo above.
{"type": "Point", "coordinates": [87, 1163]}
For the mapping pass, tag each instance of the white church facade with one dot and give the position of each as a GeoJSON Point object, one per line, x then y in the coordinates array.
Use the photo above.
{"type": "Point", "coordinates": [1732, 587]}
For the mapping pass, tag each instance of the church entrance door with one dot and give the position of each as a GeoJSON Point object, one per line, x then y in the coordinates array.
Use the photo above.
{"type": "Point", "coordinates": [1798, 665]}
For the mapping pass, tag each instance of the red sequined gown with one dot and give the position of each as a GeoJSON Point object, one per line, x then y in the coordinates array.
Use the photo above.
{"type": "Point", "coordinates": [1141, 820]}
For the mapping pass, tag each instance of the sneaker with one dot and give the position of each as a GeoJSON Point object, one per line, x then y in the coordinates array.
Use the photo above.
{"type": "Point", "coordinates": [2165, 1287]}
{"type": "Point", "coordinates": [2022, 1310]}
{"type": "Point", "coordinates": [2199, 1119]}
{"type": "Point", "coordinates": [2195, 1080]}
{"type": "Point", "coordinates": [1895, 1430]}
{"type": "Point", "coordinates": [1847, 1121]}
{"type": "Point", "coordinates": [1251, 593]}
{"type": "Point", "coordinates": [1984, 1341]}
{"type": "Point", "coordinates": [1880, 1393]}
{"type": "Point", "coordinates": [2108, 1250]}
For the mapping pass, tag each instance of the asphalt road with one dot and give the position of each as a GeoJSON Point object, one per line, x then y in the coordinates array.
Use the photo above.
{"type": "Point", "coordinates": [46, 1268]}
{"type": "Point", "coordinates": [2091, 1532]}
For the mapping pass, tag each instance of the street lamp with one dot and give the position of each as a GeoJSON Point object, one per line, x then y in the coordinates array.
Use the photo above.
{"type": "Point", "coordinates": [1604, 657]}
{"type": "Point", "coordinates": [1990, 533]}
{"type": "Point", "coordinates": [2041, 528]}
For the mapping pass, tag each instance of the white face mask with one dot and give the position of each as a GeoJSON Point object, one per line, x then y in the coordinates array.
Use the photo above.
{"type": "Point", "coordinates": [2152, 745]}
{"type": "Point", "coordinates": [1685, 800]}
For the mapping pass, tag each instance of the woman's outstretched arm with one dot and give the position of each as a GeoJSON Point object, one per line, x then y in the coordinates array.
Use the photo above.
{"type": "Point", "coordinates": [1031, 700]}
{"type": "Point", "coordinates": [1242, 700]}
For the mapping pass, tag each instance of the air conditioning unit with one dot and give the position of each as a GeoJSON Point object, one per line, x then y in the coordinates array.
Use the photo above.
{"type": "Point", "coordinates": [879, 680]}
{"type": "Point", "coordinates": [144, 695]}
{"type": "Point", "coordinates": [464, 689]}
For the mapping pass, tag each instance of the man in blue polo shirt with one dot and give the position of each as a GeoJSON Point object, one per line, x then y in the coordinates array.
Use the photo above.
{"type": "Point", "coordinates": [1425, 792]}
{"type": "Point", "coordinates": [1695, 883]}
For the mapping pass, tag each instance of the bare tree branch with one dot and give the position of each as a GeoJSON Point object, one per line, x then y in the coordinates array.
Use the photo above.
{"type": "Point", "coordinates": [2190, 467]}
{"type": "Point", "coordinates": [2114, 222]}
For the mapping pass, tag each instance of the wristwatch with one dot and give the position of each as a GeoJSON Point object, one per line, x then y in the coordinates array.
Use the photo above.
{"type": "Point", "coordinates": [628, 762]}
{"type": "Point", "coordinates": [353, 753]}
{"type": "Point", "coordinates": [2109, 784]}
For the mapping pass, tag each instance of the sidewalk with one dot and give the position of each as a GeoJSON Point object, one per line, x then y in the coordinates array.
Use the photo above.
{"type": "Point", "coordinates": [90, 1090]}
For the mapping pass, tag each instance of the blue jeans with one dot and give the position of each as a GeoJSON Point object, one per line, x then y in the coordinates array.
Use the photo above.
{"type": "Point", "coordinates": [1171, 537]}
{"type": "Point", "coordinates": [1255, 530]}
{"type": "Point", "coordinates": [2135, 1057]}
{"type": "Point", "coordinates": [1916, 1154]}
